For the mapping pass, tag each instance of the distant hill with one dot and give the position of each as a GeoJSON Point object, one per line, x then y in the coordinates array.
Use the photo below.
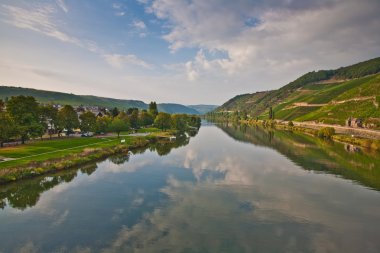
{"type": "Point", "coordinates": [176, 108]}
{"type": "Point", "coordinates": [203, 109]}
{"type": "Point", "coordinates": [329, 96]}
{"type": "Point", "coordinates": [44, 96]}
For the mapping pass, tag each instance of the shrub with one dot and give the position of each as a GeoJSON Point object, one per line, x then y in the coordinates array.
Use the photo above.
{"type": "Point", "coordinates": [290, 123]}
{"type": "Point", "coordinates": [326, 132]}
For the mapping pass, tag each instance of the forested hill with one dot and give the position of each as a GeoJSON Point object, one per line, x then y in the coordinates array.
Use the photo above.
{"type": "Point", "coordinates": [203, 109]}
{"type": "Point", "coordinates": [44, 96]}
{"type": "Point", "coordinates": [328, 96]}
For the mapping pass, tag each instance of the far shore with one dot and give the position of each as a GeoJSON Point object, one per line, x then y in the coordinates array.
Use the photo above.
{"type": "Point", "coordinates": [366, 138]}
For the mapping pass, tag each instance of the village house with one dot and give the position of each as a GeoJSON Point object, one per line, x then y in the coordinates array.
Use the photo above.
{"type": "Point", "coordinates": [354, 122]}
{"type": "Point", "coordinates": [96, 110]}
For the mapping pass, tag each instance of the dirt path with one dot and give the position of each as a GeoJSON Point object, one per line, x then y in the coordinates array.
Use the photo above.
{"type": "Point", "coordinates": [354, 99]}
{"type": "Point", "coordinates": [304, 104]}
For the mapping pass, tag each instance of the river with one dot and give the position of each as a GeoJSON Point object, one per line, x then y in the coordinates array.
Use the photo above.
{"type": "Point", "coordinates": [227, 189]}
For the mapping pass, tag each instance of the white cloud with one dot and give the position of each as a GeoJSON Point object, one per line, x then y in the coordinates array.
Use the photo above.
{"type": "Point", "coordinates": [240, 46]}
{"type": "Point", "coordinates": [62, 5]}
{"type": "Point", "coordinates": [271, 41]}
{"type": "Point", "coordinates": [117, 6]}
{"type": "Point", "coordinates": [118, 60]}
{"type": "Point", "coordinates": [120, 9]}
{"type": "Point", "coordinates": [139, 24]}
{"type": "Point", "coordinates": [41, 20]}
{"type": "Point", "coordinates": [120, 13]}
{"type": "Point", "coordinates": [192, 74]}
{"type": "Point", "coordinates": [139, 27]}
{"type": "Point", "coordinates": [143, 1]}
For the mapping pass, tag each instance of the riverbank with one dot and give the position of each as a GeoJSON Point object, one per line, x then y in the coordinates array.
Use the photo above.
{"type": "Point", "coordinates": [368, 140]}
{"type": "Point", "coordinates": [34, 165]}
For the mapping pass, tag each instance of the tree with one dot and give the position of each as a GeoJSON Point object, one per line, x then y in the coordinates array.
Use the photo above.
{"type": "Point", "coordinates": [102, 124]}
{"type": "Point", "coordinates": [24, 110]}
{"type": "Point", "coordinates": [194, 121]}
{"type": "Point", "coordinates": [134, 119]}
{"type": "Point", "coordinates": [131, 110]}
{"type": "Point", "coordinates": [48, 118]}
{"type": "Point", "coordinates": [235, 116]}
{"type": "Point", "coordinates": [117, 125]}
{"type": "Point", "coordinates": [179, 122]}
{"type": "Point", "coordinates": [326, 132]}
{"type": "Point", "coordinates": [146, 118]}
{"type": "Point", "coordinates": [244, 115]}
{"type": "Point", "coordinates": [115, 112]}
{"type": "Point", "coordinates": [68, 119]}
{"type": "Point", "coordinates": [7, 127]}
{"type": "Point", "coordinates": [2, 105]}
{"type": "Point", "coordinates": [88, 121]}
{"type": "Point", "coordinates": [271, 115]}
{"type": "Point", "coordinates": [122, 115]}
{"type": "Point", "coordinates": [38, 130]}
{"type": "Point", "coordinates": [163, 121]}
{"type": "Point", "coordinates": [153, 109]}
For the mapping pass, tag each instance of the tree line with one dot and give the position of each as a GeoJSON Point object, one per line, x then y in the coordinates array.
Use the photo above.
{"type": "Point", "coordinates": [232, 116]}
{"type": "Point", "coordinates": [23, 118]}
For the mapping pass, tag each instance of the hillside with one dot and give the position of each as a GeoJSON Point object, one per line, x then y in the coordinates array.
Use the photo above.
{"type": "Point", "coordinates": [176, 108]}
{"type": "Point", "coordinates": [203, 109]}
{"type": "Point", "coordinates": [44, 96]}
{"type": "Point", "coordinates": [329, 96]}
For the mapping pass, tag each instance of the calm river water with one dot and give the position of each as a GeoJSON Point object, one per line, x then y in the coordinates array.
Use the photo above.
{"type": "Point", "coordinates": [228, 189]}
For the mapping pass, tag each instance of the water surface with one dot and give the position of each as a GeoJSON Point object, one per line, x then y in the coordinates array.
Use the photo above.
{"type": "Point", "coordinates": [228, 189]}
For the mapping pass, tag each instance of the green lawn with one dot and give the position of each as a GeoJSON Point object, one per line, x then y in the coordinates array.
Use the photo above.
{"type": "Point", "coordinates": [141, 130]}
{"type": "Point", "coordinates": [50, 149]}
{"type": "Point", "coordinates": [148, 130]}
{"type": "Point", "coordinates": [43, 150]}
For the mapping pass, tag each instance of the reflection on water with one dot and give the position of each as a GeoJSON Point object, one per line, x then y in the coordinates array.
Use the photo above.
{"type": "Point", "coordinates": [315, 154]}
{"type": "Point", "coordinates": [254, 192]}
{"type": "Point", "coordinates": [26, 193]}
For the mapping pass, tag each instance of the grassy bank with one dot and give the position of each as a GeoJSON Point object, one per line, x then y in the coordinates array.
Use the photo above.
{"type": "Point", "coordinates": [49, 156]}
{"type": "Point", "coordinates": [44, 150]}
{"type": "Point", "coordinates": [48, 149]}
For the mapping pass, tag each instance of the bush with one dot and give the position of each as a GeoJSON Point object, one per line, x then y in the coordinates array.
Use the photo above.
{"type": "Point", "coordinates": [326, 132]}
{"type": "Point", "coordinates": [290, 123]}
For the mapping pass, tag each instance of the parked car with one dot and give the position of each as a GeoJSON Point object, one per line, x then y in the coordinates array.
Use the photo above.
{"type": "Point", "coordinates": [87, 134]}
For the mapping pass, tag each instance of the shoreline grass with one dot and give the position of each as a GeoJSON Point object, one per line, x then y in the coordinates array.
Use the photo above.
{"type": "Point", "coordinates": [56, 160]}
{"type": "Point", "coordinates": [43, 150]}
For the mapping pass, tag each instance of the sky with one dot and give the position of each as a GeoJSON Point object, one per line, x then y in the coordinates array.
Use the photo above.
{"type": "Point", "coordinates": [181, 51]}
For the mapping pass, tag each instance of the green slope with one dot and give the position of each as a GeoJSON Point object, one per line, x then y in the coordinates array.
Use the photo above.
{"type": "Point", "coordinates": [176, 108]}
{"type": "Point", "coordinates": [44, 96]}
{"type": "Point", "coordinates": [203, 109]}
{"type": "Point", "coordinates": [66, 98]}
{"type": "Point", "coordinates": [329, 96]}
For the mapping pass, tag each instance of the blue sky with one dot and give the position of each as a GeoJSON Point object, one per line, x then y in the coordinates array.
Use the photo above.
{"type": "Point", "coordinates": [180, 51]}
